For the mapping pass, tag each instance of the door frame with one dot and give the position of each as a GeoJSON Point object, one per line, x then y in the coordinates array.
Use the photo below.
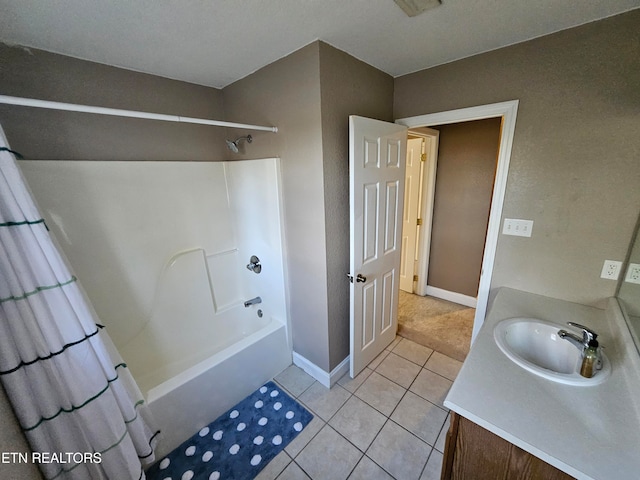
{"type": "Point", "coordinates": [508, 112]}
{"type": "Point", "coordinates": [418, 204]}
{"type": "Point", "coordinates": [427, 197]}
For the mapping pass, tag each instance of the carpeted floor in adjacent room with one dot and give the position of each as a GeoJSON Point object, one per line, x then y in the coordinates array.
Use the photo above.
{"type": "Point", "coordinates": [435, 323]}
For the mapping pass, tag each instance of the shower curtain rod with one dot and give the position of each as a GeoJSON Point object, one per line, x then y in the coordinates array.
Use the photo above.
{"type": "Point", "coordinates": [32, 102]}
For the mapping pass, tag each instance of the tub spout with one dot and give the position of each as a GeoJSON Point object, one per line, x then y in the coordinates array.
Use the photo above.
{"type": "Point", "coordinates": [253, 301]}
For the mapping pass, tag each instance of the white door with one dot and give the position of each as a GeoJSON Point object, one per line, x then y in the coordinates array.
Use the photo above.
{"type": "Point", "coordinates": [431, 139]}
{"type": "Point", "coordinates": [377, 152]}
{"type": "Point", "coordinates": [411, 211]}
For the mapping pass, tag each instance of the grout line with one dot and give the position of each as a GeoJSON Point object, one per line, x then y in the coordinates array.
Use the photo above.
{"type": "Point", "coordinates": [397, 404]}
{"type": "Point", "coordinates": [427, 462]}
{"type": "Point", "coordinates": [306, 444]}
{"type": "Point", "coordinates": [439, 374]}
{"type": "Point", "coordinates": [413, 434]}
{"type": "Point", "coordinates": [283, 469]}
{"type": "Point", "coordinates": [428, 348]}
{"type": "Point", "coordinates": [387, 417]}
{"type": "Point", "coordinates": [369, 448]}
{"type": "Point", "coordinates": [409, 432]}
{"type": "Point", "coordinates": [392, 380]}
{"type": "Point", "coordinates": [429, 357]}
{"type": "Point", "coordinates": [441, 430]}
{"type": "Point", "coordinates": [302, 469]}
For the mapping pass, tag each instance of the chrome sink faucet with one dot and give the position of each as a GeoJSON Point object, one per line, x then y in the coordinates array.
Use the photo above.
{"type": "Point", "coordinates": [582, 344]}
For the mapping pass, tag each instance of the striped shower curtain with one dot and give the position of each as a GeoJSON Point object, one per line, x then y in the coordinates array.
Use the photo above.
{"type": "Point", "coordinates": [78, 405]}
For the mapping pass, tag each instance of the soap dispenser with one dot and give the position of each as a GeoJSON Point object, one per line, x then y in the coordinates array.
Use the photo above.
{"type": "Point", "coordinates": [589, 359]}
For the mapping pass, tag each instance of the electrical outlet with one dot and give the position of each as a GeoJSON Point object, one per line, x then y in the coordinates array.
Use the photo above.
{"type": "Point", "coordinates": [611, 269]}
{"type": "Point", "coordinates": [633, 273]}
{"type": "Point", "coordinates": [517, 227]}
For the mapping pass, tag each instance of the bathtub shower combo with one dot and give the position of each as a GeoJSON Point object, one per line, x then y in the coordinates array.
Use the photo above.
{"type": "Point", "coordinates": [183, 262]}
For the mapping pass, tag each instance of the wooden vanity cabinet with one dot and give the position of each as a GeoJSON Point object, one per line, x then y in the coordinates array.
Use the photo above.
{"type": "Point", "coordinates": [473, 453]}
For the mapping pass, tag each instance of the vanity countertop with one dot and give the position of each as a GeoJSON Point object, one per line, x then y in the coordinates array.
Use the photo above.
{"type": "Point", "coordinates": [589, 432]}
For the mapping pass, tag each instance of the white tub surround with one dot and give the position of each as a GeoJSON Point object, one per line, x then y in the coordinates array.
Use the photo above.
{"type": "Point", "coordinates": [162, 250]}
{"type": "Point", "coordinates": [589, 432]}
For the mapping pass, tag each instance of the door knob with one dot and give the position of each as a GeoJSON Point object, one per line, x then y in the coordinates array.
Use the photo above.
{"type": "Point", "coordinates": [359, 278]}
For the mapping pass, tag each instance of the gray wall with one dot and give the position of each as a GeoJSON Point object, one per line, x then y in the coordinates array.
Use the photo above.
{"type": "Point", "coordinates": [348, 87]}
{"type": "Point", "coordinates": [37, 74]}
{"type": "Point", "coordinates": [286, 93]}
{"type": "Point", "coordinates": [309, 96]}
{"type": "Point", "coordinates": [63, 135]}
{"type": "Point", "coordinates": [467, 154]}
{"type": "Point", "coordinates": [574, 166]}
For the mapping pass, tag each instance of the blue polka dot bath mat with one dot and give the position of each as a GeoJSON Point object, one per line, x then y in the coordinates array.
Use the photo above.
{"type": "Point", "coordinates": [239, 443]}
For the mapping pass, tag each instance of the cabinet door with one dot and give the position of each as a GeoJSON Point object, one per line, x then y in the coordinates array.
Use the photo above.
{"type": "Point", "coordinates": [475, 453]}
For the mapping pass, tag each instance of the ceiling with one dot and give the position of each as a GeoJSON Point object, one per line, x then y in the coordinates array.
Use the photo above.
{"type": "Point", "coordinates": [216, 42]}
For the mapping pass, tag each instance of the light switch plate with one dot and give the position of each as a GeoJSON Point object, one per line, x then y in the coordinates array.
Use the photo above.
{"type": "Point", "coordinates": [517, 227]}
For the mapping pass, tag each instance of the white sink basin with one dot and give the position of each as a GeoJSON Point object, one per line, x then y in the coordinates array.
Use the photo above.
{"type": "Point", "coordinates": [535, 345]}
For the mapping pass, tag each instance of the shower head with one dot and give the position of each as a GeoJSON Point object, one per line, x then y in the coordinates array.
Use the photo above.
{"type": "Point", "coordinates": [233, 146]}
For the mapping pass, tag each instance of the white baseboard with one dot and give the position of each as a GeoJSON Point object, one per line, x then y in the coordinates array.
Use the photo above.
{"type": "Point", "coordinates": [452, 296]}
{"type": "Point", "coordinates": [326, 379]}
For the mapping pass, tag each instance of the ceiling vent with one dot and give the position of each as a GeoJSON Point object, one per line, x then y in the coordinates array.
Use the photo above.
{"type": "Point", "coordinates": [416, 7]}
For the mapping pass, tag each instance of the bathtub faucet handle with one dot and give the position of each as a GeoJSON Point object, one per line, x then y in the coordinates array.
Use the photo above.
{"type": "Point", "coordinates": [254, 264]}
{"type": "Point", "coordinates": [253, 301]}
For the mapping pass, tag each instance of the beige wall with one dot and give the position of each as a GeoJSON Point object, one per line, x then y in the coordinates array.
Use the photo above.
{"type": "Point", "coordinates": [286, 93]}
{"type": "Point", "coordinates": [309, 96]}
{"type": "Point", "coordinates": [62, 135]}
{"type": "Point", "coordinates": [629, 292]}
{"type": "Point", "coordinates": [79, 136]}
{"type": "Point", "coordinates": [574, 166]}
{"type": "Point", "coordinates": [467, 154]}
{"type": "Point", "coordinates": [348, 87]}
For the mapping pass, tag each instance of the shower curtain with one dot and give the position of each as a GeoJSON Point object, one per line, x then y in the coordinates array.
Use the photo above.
{"type": "Point", "coordinates": [78, 405]}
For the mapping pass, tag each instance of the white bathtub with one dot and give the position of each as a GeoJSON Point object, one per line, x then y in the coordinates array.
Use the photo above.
{"type": "Point", "coordinates": [191, 399]}
{"type": "Point", "coordinates": [202, 352]}
{"type": "Point", "coordinates": [161, 249]}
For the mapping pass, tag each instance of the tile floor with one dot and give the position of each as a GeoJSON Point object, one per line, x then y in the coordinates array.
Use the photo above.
{"type": "Point", "coordinates": [387, 423]}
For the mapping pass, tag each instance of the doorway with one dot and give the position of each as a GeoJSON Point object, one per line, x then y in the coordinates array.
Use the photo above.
{"type": "Point", "coordinates": [506, 112]}
{"type": "Point", "coordinates": [437, 310]}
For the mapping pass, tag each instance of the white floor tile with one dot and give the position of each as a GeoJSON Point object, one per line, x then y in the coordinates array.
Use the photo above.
{"type": "Point", "coordinates": [443, 365]}
{"type": "Point", "coordinates": [329, 456]}
{"type": "Point", "coordinates": [381, 393]}
{"type": "Point", "coordinates": [293, 472]}
{"type": "Point", "coordinates": [323, 401]}
{"type": "Point", "coordinates": [398, 369]}
{"type": "Point", "coordinates": [413, 351]}
{"type": "Point", "coordinates": [433, 468]}
{"type": "Point", "coordinates": [295, 380]}
{"type": "Point", "coordinates": [399, 452]}
{"type": "Point", "coordinates": [352, 384]}
{"type": "Point", "coordinates": [358, 422]}
{"type": "Point", "coordinates": [442, 438]}
{"type": "Point", "coordinates": [304, 437]}
{"type": "Point", "coordinates": [275, 467]}
{"type": "Point", "coordinates": [431, 386]}
{"type": "Point", "coordinates": [367, 469]}
{"type": "Point", "coordinates": [420, 417]}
